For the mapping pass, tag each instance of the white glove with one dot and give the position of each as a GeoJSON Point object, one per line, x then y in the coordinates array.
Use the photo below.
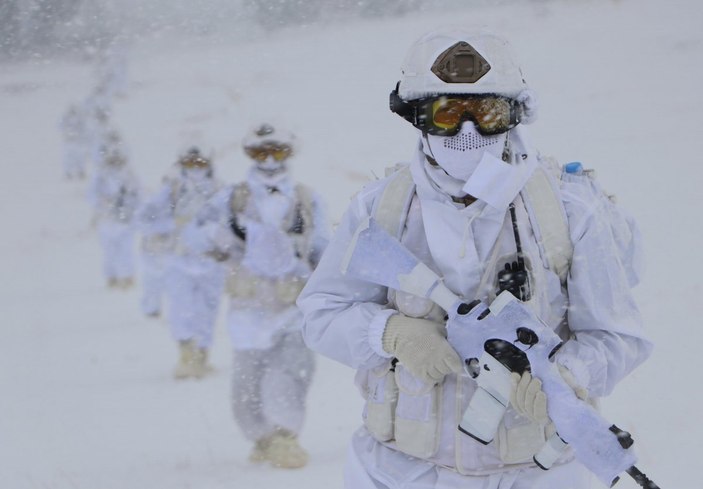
{"type": "Point", "coordinates": [421, 347]}
{"type": "Point", "coordinates": [529, 400]}
{"type": "Point", "coordinates": [221, 237]}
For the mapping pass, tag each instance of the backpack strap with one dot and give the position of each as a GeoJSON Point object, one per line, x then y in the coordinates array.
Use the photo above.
{"type": "Point", "coordinates": [237, 203]}
{"type": "Point", "coordinates": [304, 209]}
{"type": "Point", "coordinates": [548, 219]}
{"type": "Point", "coordinates": [239, 197]}
{"type": "Point", "coordinates": [392, 207]}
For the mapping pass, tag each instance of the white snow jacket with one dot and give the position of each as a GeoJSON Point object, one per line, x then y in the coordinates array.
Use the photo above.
{"type": "Point", "coordinates": [345, 318]}
{"type": "Point", "coordinates": [114, 193]}
{"type": "Point", "coordinates": [273, 232]}
{"type": "Point", "coordinates": [165, 215]}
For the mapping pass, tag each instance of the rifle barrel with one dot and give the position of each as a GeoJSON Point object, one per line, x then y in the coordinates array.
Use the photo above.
{"type": "Point", "coordinates": [641, 478]}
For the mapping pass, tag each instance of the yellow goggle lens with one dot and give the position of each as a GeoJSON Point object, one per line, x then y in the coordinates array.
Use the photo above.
{"type": "Point", "coordinates": [278, 152]}
{"type": "Point", "coordinates": [195, 163]}
{"type": "Point", "coordinates": [489, 113]}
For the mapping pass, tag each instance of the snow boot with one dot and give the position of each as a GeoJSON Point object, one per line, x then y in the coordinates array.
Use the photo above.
{"type": "Point", "coordinates": [186, 361]}
{"type": "Point", "coordinates": [283, 451]}
{"type": "Point", "coordinates": [126, 283]}
{"type": "Point", "coordinates": [200, 364]}
{"type": "Point", "coordinates": [258, 453]}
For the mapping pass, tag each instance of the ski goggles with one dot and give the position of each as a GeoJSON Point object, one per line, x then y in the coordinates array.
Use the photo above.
{"type": "Point", "coordinates": [195, 163]}
{"type": "Point", "coordinates": [278, 152]}
{"type": "Point", "coordinates": [442, 115]}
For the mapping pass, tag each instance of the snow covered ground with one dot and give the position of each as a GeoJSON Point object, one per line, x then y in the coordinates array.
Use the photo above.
{"type": "Point", "coordinates": [86, 396]}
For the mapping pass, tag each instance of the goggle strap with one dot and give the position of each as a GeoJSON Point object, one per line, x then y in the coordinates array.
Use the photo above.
{"type": "Point", "coordinates": [399, 106]}
{"type": "Point", "coordinates": [516, 113]}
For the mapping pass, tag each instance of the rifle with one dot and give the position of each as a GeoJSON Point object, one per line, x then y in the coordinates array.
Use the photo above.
{"type": "Point", "coordinates": [494, 342]}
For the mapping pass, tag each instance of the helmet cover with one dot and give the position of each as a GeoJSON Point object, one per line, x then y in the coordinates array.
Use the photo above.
{"type": "Point", "coordinates": [453, 61]}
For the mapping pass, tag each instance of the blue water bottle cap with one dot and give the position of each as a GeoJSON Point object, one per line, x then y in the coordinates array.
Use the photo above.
{"type": "Point", "coordinates": [575, 167]}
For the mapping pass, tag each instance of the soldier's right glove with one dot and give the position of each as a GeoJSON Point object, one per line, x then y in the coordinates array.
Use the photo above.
{"type": "Point", "coordinates": [421, 347]}
{"type": "Point", "coordinates": [529, 400]}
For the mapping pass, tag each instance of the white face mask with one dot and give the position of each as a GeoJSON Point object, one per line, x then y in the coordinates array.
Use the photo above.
{"type": "Point", "coordinates": [197, 175]}
{"type": "Point", "coordinates": [270, 166]}
{"type": "Point", "coordinates": [459, 155]}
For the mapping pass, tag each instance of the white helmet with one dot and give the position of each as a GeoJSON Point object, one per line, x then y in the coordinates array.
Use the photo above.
{"type": "Point", "coordinates": [450, 76]}
{"type": "Point", "coordinates": [194, 159]}
{"type": "Point", "coordinates": [457, 62]}
{"type": "Point", "coordinates": [270, 148]}
{"type": "Point", "coordinates": [266, 135]}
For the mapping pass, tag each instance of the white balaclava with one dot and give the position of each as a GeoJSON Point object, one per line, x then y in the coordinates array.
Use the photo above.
{"type": "Point", "coordinates": [271, 168]}
{"type": "Point", "coordinates": [199, 178]}
{"type": "Point", "coordinates": [459, 155]}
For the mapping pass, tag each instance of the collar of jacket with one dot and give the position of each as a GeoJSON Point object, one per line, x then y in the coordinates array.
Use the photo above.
{"type": "Point", "coordinates": [260, 183]}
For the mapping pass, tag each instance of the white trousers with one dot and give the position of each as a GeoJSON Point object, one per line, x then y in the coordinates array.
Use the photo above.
{"type": "Point", "coordinates": [269, 386]}
{"type": "Point", "coordinates": [117, 241]}
{"type": "Point", "coordinates": [371, 465]}
{"type": "Point", "coordinates": [153, 281]}
{"type": "Point", "coordinates": [194, 289]}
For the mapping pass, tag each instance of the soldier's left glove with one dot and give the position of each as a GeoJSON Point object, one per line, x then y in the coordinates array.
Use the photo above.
{"type": "Point", "coordinates": [529, 400]}
{"type": "Point", "coordinates": [421, 347]}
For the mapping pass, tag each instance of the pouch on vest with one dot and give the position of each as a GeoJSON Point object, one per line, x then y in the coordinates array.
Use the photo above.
{"type": "Point", "coordinates": [381, 394]}
{"type": "Point", "coordinates": [518, 439]}
{"type": "Point", "coordinates": [241, 284]}
{"type": "Point", "coordinates": [159, 243]}
{"type": "Point", "coordinates": [288, 289]}
{"type": "Point", "coordinates": [417, 415]}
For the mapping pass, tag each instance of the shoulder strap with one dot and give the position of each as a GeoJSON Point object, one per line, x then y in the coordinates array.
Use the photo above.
{"type": "Point", "coordinates": [303, 197]}
{"type": "Point", "coordinates": [237, 203]}
{"type": "Point", "coordinates": [239, 198]}
{"type": "Point", "coordinates": [302, 210]}
{"type": "Point", "coordinates": [391, 209]}
{"type": "Point", "coordinates": [548, 219]}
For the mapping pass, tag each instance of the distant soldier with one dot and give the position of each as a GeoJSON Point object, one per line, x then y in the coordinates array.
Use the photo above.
{"type": "Point", "coordinates": [194, 280]}
{"type": "Point", "coordinates": [114, 193]}
{"type": "Point", "coordinates": [75, 149]}
{"type": "Point", "coordinates": [273, 232]}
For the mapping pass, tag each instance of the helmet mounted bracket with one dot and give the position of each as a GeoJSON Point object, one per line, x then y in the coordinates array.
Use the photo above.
{"type": "Point", "coordinates": [460, 63]}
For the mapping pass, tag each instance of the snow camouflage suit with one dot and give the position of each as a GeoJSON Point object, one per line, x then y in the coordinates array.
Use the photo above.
{"type": "Point", "coordinates": [193, 280]}
{"type": "Point", "coordinates": [345, 320]}
{"type": "Point", "coordinates": [75, 150]}
{"type": "Point", "coordinates": [114, 194]}
{"type": "Point", "coordinates": [273, 232]}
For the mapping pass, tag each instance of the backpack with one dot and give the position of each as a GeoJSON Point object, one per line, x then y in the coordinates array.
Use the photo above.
{"type": "Point", "coordinates": [545, 208]}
